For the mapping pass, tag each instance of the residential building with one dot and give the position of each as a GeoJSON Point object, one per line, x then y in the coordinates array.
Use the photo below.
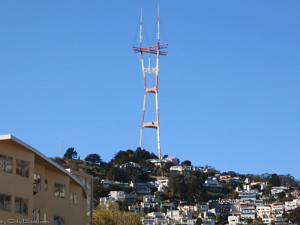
{"type": "Point", "coordinates": [295, 194]}
{"type": "Point", "coordinates": [35, 188]}
{"type": "Point", "coordinates": [277, 209]}
{"type": "Point", "coordinates": [87, 183]}
{"type": "Point", "coordinates": [134, 208]}
{"type": "Point", "coordinates": [264, 212]}
{"type": "Point", "coordinates": [248, 195]}
{"type": "Point", "coordinates": [247, 210]}
{"type": "Point", "coordinates": [155, 218]}
{"type": "Point", "coordinates": [233, 220]}
{"type": "Point", "coordinates": [108, 183]}
{"type": "Point", "coordinates": [130, 165]}
{"type": "Point", "coordinates": [291, 205]}
{"type": "Point", "coordinates": [162, 183]}
{"type": "Point", "coordinates": [225, 178]}
{"type": "Point", "coordinates": [224, 207]}
{"type": "Point", "coordinates": [213, 185]}
{"type": "Point", "coordinates": [118, 196]}
{"type": "Point", "coordinates": [186, 169]}
{"type": "Point", "coordinates": [149, 198]}
{"type": "Point", "coordinates": [173, 160]}
{"type": "Point", "coordinates": [277, 190]}
{"type": "Point", "coordinates": [141, 188]}
{"type": "Point", "coordinates": [167, 206]}
{"type": "Point", "coordinates": [201, 208]}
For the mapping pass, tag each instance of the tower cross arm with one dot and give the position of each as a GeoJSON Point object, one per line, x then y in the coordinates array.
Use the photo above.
{"type": "Point", "coordinates": [151, 49]}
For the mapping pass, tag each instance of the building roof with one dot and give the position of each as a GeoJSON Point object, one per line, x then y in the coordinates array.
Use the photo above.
{"type": "Point", "coordinates": [10, 139]}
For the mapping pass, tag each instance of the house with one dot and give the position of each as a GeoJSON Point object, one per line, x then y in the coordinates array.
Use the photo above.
{"type": "Point", "coordinates": [155, 218]}
{"type": "Point", "coordinates": [149, 198]}
{"type": "Point", "coordinates": [149, 203]}
{"type": "Point", "coordinates": [167, 206]}
{"type": "Point", "coordinates": [162, 183]}
{"type": "Point", "coordinates": [276, 190]}
{"type": "Point", "coordinates": [141, 188]}
{"type": "Point", "coordinates": [105, 200]}
{"type": "Point", "coordinates": [179, 217]}
{"type": "Point", "coordinates": [201, 208]}
{"type": "Point", "coordinates": [149, 206]}
{"type": "Point", "coordinates": [173, 160]}
{"type": "Point", "coordinates": [108, 183]}
{"type": "Point", "coordinates": [247, 210]}
{"type": "Point", "coordinates": [209, 217]}
{"type": "Point", "coordinates": [264, 212]}
{"type": "Point", "coordinates": [291, 205]}
{"type": "Point", "coordinates": [186, 169]}
{"type": "Point", "coordinates": [187, 221]}
{"type": "Point", "coordinates": [295, 194]}
{"type": "Point", "coordinates": [277, 209]}
{"type": "Point", "coordinates": [134, 208]}
{"type": "Point", "coordinates": [118, 196]}
{"type": "Point", "coordinates": [237, 180]}
{"type": "Point", "coordinates": [224, 207]}
{"type": "Point", "coordinates": [187, 209]}
{"type": "Point", "coordinates": [233, 220]}
{"type": "Point", "coordinates": [175, 214]}
{"type": "Point", "coordinates": [213, 185]}
{"type": "Point", "coordinates": [130, 165]}
{"type": "Point", "coordinates": [225, 178]}
{"type": "Point", "coordinates": [36, 188]}
{"type": "Point", "coordinates": [248, 195]}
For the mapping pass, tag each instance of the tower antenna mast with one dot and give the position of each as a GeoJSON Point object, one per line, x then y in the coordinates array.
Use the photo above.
{"type": "Point", "coordinates": [155, 50]}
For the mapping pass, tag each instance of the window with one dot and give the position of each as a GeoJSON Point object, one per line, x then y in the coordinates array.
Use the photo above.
{"type": "Point", "coordinates": [59, 190]}
{"type": "Point", "coordinates": [6, 163]}
{"type": "Point", "coordinates": [58, 220]}
{"type": "Point", "coordinates": [36, 183]}
{"type": "Point", "coordinates": [36, 216]}
{"type": "Point", "coordinates": [21, 206]}
{"type": "Point", "coordinates": [46, 185]}
{"type": "Point", "coordinates": [22, 168]}
{"type": "Point", "coordinates": [73, 198]}
{"type": "Point", "coordinates": [5, 202]}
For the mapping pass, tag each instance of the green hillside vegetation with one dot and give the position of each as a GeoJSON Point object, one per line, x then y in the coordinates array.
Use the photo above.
{"type": "Point", "coordinates": [187, 186]}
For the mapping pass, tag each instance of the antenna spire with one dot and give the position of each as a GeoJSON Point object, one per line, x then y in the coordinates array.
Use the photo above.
{"type": "Point", "coordinates": [158, 27]}
{"type": "Point", "coordinates": [141, 28]}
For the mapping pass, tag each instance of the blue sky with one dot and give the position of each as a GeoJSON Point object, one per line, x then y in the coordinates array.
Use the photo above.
{"type": "Point", "coordinates": [228, 89]}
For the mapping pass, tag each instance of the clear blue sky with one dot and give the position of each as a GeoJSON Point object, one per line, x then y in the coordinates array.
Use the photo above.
{"type": "Point", "coordinates": [228, 89]}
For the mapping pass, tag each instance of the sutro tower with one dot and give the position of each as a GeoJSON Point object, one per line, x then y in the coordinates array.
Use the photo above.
{"type": "Point", "coordinates": [147, 71]}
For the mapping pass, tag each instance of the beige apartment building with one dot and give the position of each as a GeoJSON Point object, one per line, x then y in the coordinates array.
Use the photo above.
{"type": "Point", "coordinates": [87, 183]}
{"type": "Point", "coordinates": [34, 188]}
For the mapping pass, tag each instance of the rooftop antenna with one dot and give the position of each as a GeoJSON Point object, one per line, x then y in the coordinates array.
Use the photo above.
{"type": "Point", "coordinates": [155, 50]}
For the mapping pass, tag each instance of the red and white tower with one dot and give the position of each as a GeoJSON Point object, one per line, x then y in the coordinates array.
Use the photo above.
{"type": "Point", "coordinates": [154, 51]}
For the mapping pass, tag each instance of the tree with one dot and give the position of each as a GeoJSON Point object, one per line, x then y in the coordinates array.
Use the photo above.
{"type": "Point", "coordinates": [198, 221]}
{"type": "Point", "coordinates": [294, 216]}
{"type": "Point", "coordinates": [94, 159]}
{"type": "Point", "coordinates": [70, 153]}
{"type": "Point", "coordinates": [109, 214]}
{"type": "Point", "coordinates": [248, 220]}
{"type": "Point", "coordinates": [186, 163]}
{"type": "Point", "coordinates": [275, 180]}
{"type": "Point", "coordinates": [116, 174]}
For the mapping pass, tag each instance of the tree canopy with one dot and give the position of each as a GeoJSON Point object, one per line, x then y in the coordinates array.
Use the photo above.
{"type": "Point", "coordinates": [70, 153]}
{"type": "Point", "coordinates": [94, 159]}
{"type": "Point", "coordinates": [109, 213]}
